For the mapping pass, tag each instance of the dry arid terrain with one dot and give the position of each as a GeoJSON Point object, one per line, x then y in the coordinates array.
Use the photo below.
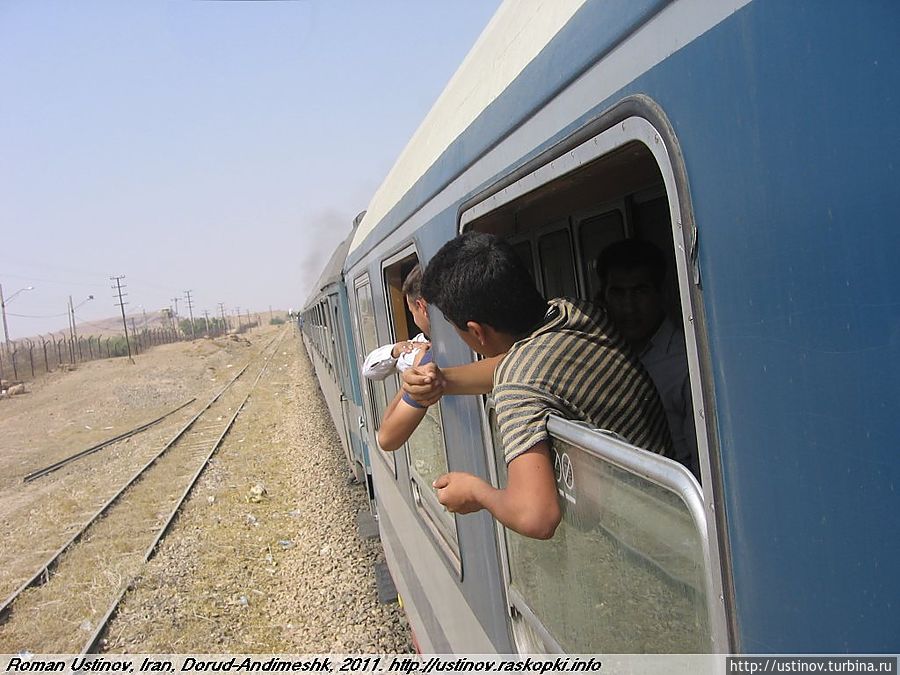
{"type": "Point", "coordinates": [264, 556]}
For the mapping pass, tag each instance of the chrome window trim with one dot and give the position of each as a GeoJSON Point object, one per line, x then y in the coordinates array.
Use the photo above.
{"type": "Point", "coordinates": [665, 473]}
{"type": "Point", "coordinates": [517, 602]}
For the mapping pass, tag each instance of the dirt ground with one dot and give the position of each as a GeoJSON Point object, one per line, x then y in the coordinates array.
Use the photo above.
{"type": "Point", "coordinates": [265, 555]}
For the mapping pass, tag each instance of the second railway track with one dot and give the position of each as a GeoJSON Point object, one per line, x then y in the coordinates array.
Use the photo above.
{"type": "Point", "coordinates": [68, 601]}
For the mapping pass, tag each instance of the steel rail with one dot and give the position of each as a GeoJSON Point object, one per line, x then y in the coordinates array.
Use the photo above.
{"type": "Point", "coordinates": [102, 625]}
{"type": "Point", "coordinates": [34, 475]}
{"type": "Point", "coordinates": [43, 574]}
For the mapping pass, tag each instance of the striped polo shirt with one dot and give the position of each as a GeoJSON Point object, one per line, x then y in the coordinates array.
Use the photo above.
{"type": "Point", "coordinates": [576, 365]}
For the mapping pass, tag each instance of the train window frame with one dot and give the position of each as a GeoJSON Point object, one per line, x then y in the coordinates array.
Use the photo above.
{"type": "Point", "coordinates": [427, 507]}
{"type": "Point", "coordinates": [577, 152]}
{"type": "Point", "coordinates": [366, 385]}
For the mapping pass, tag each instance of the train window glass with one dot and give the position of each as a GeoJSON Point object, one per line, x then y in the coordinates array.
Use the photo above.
{"type": "Point", "coordinates": [425, 449]}
{"type": "Point", "coordinates": [625, 572]}
{"type": "Point", "coordinates": [557, 265]}
{"type": "Point", "coordinates": [339, 349]}
{"type": "Point", "coordinates": [369, 335]}
{"type": "Point", "coordinates": [523, 249]}
{"type": "Point", "coordinates": [651, 222]}
{"type": "Point", "coordinates": [595, 233]}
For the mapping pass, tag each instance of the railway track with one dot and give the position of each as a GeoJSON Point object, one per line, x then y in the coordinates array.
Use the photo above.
{"type": "Point", "coordinates": [91, 573]}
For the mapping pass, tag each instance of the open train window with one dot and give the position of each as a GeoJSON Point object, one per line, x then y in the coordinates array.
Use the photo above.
{"type": "Point", "coordinates": [425, 450]}
{"type": "Point", "coordinates": [614, 187]}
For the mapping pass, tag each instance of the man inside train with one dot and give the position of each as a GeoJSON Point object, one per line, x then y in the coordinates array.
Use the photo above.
{"type": "Point", "coordinates": [563, 357]}
{"type": "Point", "coordinates": [632, 273]}
{"type": "Point", "coordinates": [395, 358]}
{"type": "Point", "coordinates": [403, 414]}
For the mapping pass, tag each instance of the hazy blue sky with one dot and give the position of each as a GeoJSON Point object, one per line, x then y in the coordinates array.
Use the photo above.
{"type": "Point", "coordinates": [223, 147]}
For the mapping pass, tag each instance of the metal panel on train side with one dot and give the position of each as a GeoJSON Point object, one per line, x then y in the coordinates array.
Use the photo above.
{"type": "Point", "coordinates": [440, 613]}
{"type": "Point", "coordinates": [793, 164]}
{"type": "Point", "coordinates": [781, 111]}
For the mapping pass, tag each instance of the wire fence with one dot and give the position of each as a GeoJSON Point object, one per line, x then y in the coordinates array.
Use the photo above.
{"type": "Point", "coordinates": [27, 359]}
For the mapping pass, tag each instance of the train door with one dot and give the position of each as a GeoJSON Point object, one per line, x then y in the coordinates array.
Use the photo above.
{"type": "Point", "coordinates": [635, 565]}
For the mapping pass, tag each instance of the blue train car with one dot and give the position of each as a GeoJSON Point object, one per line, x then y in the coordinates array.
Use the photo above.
{"type": "Point", "coordinates": [755, 143]}
{"type": "Point", "coordinates": [328, 336]}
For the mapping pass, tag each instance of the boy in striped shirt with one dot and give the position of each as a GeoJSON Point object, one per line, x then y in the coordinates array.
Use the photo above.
{"type": "Point", "coordinates": [564, 357]}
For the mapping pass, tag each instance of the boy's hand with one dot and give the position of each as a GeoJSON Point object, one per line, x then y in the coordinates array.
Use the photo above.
{"type": "Point", "coordinates": [406, 347]}
{"type": "Point", "coordinates": [425, 384]}
{"type": "Point", "coordinates": [460, 492]}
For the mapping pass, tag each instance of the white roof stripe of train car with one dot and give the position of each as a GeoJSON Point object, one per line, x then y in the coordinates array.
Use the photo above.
{"type": "Point", "coordinates": [514, 37]}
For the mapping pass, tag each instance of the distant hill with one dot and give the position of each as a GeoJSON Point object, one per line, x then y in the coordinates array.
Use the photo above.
{"type": "Point", "coordinates": [113, 325]}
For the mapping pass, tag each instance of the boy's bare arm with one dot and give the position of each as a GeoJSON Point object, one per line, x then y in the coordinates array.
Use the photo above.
{"type": "Point", "coordinates": [528, 504]}
{"type": "Point", "coordinates": [400, 420]}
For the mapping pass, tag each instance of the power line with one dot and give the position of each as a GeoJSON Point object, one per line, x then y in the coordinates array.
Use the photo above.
{"type": "Point", "coordinates": [42, 316]}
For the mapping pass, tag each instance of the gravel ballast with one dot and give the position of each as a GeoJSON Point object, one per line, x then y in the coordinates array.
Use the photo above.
{"type": "Point", "coordinates": [265, 556]}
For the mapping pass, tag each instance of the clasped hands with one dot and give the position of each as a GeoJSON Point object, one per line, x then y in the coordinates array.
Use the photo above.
{"type": "Point", "coordinates": [425, 384]}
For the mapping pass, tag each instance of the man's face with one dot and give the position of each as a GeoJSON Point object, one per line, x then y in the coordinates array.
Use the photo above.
{"type": "Point", "coordinates": [419, 310]}
{"type": "Point", "coordinates": [633, 303]}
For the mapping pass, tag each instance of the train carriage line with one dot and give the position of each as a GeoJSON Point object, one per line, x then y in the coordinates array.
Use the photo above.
{"type": "Point", "coordinates": [752, 141]}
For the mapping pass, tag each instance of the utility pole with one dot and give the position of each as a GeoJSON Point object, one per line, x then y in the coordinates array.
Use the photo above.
{"type": "Point", "coordinates": [237, 313]}
{"type": "Point", "coordinates": [72, 337]}
{"type": "Point", "coordinates": [5, 328]}
{"type": "Point", "coordinates": [3, 310]}
{"type": "Point", "coordinates": [206, 314]}
{"type": "Point", "coordinates": [175, 315]}
{"type": "Point", "coordinates": [248, 319]}
{"type": "Point", "coordinates": [190, 312]}
{"type": "Point", "coordinates": [122, 303]}
{"type": "Point", "coordinates": [73, 323]}
{"type": "Point", "coordinates": [224, 320]}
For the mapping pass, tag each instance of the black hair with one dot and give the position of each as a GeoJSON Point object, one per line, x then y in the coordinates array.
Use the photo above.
{"type": "Point", "coordinates": [478, 277]}
{"type": "Point", "coordinates": [630, 254]}
{"type": "Point", "coordinates": [412, 285]}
